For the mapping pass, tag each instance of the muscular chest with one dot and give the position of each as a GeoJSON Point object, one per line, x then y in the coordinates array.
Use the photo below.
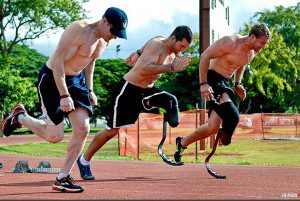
{"type": "Point", "coordinates": [91, 49]}
{"type": "Point", "coordinates": [239, 58]}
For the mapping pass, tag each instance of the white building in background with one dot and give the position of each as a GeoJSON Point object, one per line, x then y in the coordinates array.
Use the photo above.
{"type": "Point", "coordinates": [219, 19]}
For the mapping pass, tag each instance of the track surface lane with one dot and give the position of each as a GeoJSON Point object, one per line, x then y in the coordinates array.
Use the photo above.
{"type": "Point", "coordinates": [150, 180]}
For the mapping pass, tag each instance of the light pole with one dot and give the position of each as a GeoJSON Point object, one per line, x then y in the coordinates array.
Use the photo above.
{"type": "Point", "coordinates": [118, 50]}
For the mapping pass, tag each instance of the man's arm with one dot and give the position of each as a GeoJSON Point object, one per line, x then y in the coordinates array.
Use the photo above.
{"type": "Point", "coordinates": [66, 49]}
{"type": "Point", "coordinates": [134, 56]}
{"type": "Point", "coordinates": [89, 69]}
{"type": "Point", "coordinates": [215, 50]}
{"type": "Point", "coordinates": [142, 48]}
{"type": "Point", "coordinates": [89, 73]}
{"type": "Point", "coordinates": [239, 74]}
{"type": "Point", "coordinates": [147, 63]}
{"type": "Point", "coordinates": [239, 89]}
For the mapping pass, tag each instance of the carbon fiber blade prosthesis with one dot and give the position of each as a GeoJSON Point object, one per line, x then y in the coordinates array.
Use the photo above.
{"type": "Point", "coordinates": [159, 149]}
{"type": "Point", "coordinates": [213, 173]}
{"type": "Point", "coordinates": [209, 169]}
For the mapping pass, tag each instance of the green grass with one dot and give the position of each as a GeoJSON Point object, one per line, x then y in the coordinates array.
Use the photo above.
{"type": "Point", "coordinates": [246, 152]}
{"type": "Point", "coordinates": [268, 153]}
{"type": "Point", "coordinates": [109, 151]}
{"type": "Point", "coordinates": [68, 131]}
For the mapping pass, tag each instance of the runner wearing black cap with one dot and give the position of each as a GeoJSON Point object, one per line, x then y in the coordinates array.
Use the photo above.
{"type": "Point", "coordinates": [65, 88]}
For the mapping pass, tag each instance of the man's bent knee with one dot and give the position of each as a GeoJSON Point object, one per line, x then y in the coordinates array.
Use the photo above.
{"type": "Point", "coordinates": [173, 124]}
{"type": "Point", "coordinates": [172, 117]}
{"type": "Point", "coordinates": [231, 121]}
{"type": "Point", "coordinates": [225, 138]}
{"type": "Point", "coordinates": [168, 102]}
{"type": "Point", "coordinates": [55, 138]}
{"type": "Point", "coordinates": [54, 133]}
{"type": "Point", "coordinates": [230, 116]}
{"type": "Point", "coordinates": [213, 130]}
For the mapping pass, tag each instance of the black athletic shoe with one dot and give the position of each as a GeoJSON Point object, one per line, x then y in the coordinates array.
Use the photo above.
{"type": "Point", "coordinates": [85, 170]}
{"type": "Point", "coordinates": [11, 123]}
{"type": "Point", "coordinates": [179, 150]}
{"type": "Point", "coordinates": [66, 185]}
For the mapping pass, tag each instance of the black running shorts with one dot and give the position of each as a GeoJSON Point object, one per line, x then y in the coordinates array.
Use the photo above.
{"type": "Point", "coordinates": [129, 100]}
{"type": "Point", "coordinates": [220, 85]}
{"type": "Point", "coordinates": [50, 98]}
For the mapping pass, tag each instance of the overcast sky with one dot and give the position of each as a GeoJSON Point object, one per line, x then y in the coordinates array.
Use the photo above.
{"type": "Point", "coordinates": [157, 17]}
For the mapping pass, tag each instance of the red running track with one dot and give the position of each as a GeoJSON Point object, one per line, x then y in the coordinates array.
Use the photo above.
{"type": "Point", "coordinates": [149, 180]}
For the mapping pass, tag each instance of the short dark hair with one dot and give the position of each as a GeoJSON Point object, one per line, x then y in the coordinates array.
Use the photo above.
{"type": "Point", "coordinates": [182, 32]}
{"type": "Point", "coordinates": [260, 30]}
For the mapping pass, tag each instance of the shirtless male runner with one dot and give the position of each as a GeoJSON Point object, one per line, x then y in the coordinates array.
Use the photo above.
{"type": "Point", "coordinates": [136, 89]}
{"type": "Point", "coordinates": [226, 57]}
{"type": "Point", "coordinates": [65, 87]}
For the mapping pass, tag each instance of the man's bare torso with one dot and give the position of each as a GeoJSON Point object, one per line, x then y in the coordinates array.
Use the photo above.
{"type": "Point", "coordinates": [238, 57]}
{"type": "Point", "coordinates": [136, 77]}
{"type": "Point", "coordinates": [87, 47]}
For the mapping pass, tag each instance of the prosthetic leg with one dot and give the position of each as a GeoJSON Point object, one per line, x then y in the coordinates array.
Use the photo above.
{"type": "Point", "coordinates": [159, 149]}
{"type": "Point", "coordinates": [209, 169]}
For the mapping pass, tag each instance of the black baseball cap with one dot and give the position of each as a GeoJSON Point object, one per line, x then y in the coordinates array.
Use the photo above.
{"type": "Point", "coordinates": [118, 19]}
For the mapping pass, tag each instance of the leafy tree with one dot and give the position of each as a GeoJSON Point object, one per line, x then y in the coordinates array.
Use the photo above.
{"type": "Point", "coordinates": [273, 75]}
{"type": "Point", "coordinates": [29, 19]}
{"type": "Point", "coordinates": [285, 21]}
{"type": "Point", "coordinates": [194, 50]}
{"type": "Point", "coordinates": [28, 61]}
{"type": "Point", "coordinates": [106, 75]}
{"type": "Point", "coordinates": [18, 76]}
{"type": "Point", "coordinates": [184, 85]}
{"type": "Point", "coordinates": [13, 88]}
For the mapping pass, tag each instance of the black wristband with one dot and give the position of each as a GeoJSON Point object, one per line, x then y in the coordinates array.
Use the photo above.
{"type": "Point", "coordinates": [203, 83]}
{"type": "Point", "coordinates": [236, 83]}
{"type": "Point", "coordinates": [138, 52]}
{"type": "Point", "coordinates": [65, 96]}
{"type": "Point", "coordinates": [90, 90]}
